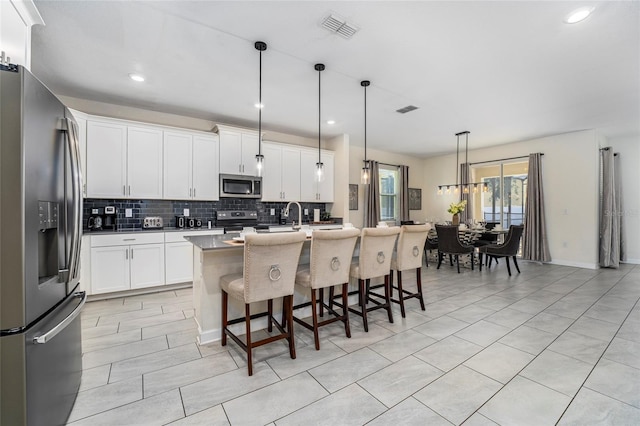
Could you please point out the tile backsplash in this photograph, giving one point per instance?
(205, 210)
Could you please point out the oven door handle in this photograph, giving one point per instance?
(44, 338)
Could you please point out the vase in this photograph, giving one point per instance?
(455, 220)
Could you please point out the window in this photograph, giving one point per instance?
(388, 193)
(505, 200)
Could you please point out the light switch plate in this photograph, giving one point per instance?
(186, 212)
(128, 212)
(306, 212)
(273, 212)
(94, 211)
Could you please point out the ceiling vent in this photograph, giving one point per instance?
(339, 26)
(406, 109)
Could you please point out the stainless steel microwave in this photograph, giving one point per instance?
(238, 186)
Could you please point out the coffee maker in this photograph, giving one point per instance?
(95, 222)
(110, 218)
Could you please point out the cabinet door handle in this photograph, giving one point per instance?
(131, 253)
(124, 189)
(194, 193)
(129, 189)
(126, 254)
(239, 168)
(190, 192)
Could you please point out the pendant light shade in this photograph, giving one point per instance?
(319, 164)
(365, 175)
(261, 46)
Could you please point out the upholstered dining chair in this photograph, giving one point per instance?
(374, 260)
(329, 265)
(408, 256)
(507, 249)
(269, 272)
(449, 243)
(430, 244)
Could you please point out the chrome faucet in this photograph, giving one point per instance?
(286, 213)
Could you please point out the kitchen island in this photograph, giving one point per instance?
(213, 257)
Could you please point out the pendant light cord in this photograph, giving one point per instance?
(319, 114)
(260, 108)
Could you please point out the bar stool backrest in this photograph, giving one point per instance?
(411, 246)
(270, 264)
(376, 251)
(331, 253)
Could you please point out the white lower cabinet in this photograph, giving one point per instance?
(120, 262)
(179, 255)
(126, 261)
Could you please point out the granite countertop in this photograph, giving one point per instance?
(136, 230)
(213, 242)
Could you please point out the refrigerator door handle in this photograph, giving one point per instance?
(76, 187)
(44, 338)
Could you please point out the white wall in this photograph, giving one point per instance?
(570, 181)
(629, 161)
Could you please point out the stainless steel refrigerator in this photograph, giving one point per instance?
(40, 234)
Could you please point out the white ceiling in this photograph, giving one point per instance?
(506, 71)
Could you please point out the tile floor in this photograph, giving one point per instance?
(553, 345)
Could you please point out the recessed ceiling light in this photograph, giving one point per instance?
(136, 77)
(257, 105)
(331, 121)
(578, 15)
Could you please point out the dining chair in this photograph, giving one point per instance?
(329, 265)
(269, 271)
(506, 249)
(449, 243)
(430, 244)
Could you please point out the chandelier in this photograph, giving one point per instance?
(466, 187)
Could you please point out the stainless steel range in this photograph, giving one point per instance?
(235, 220)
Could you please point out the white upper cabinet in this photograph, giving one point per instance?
(238, 150)
(190, 166)
(123, 161)
(178, 180)
(144, 162)
(310, 189)
(281, 175)
(106, 174)
(325, 188)
(271, 174)
(206, 185)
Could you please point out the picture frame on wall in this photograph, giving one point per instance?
(415, 199)
(353, 197)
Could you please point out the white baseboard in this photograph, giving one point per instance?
(632, 261)
(583, 265)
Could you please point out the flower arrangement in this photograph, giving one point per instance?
(455, 208)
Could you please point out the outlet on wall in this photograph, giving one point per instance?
(306, 212)
(128, 212)
(186, 212)
(273, 212)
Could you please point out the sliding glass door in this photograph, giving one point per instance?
(504, 202)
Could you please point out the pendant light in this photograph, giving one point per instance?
(365, 175)
(319, 164)
(261, 46)
(458, 187)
